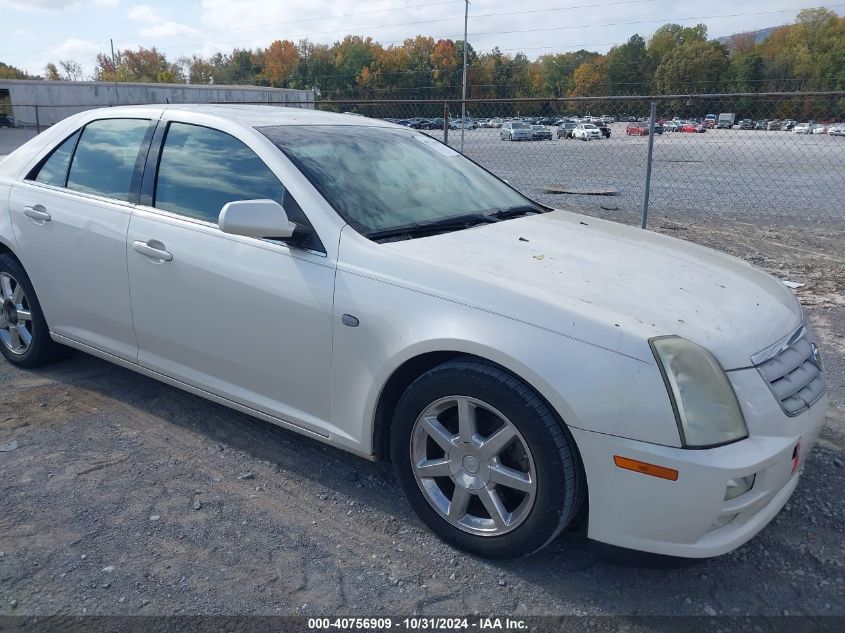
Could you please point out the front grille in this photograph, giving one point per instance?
(793, 373)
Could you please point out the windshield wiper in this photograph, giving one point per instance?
(436, 226)
(515, 212)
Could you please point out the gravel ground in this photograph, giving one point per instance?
(126, 497)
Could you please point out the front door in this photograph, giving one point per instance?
(246, 319)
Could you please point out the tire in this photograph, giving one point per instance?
(550, 476)
(18, 297)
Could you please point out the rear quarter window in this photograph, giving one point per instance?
(53, 170)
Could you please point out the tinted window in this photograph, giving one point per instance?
(202, 169)
(54, 169)
(105, 157)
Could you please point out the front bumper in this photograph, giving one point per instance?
(690, 517)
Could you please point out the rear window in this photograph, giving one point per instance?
(105, 157)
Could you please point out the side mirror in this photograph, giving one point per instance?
(255, 218)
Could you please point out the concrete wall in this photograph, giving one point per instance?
(46, 102)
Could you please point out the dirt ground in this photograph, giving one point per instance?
(126, 497)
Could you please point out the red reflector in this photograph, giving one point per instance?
(796, 456)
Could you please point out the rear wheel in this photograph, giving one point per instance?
(24, 336)
(484, 461)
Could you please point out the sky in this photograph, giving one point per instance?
(35, 32)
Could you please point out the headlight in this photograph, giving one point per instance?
(705, 404)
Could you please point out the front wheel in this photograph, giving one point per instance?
(484, 461)
(24, 336)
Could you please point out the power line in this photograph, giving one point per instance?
(521, 31)
(415, 6)
(378, 26)
(312, 19)
(702, 17)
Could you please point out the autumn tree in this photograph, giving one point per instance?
(281, 61)
(10, 72)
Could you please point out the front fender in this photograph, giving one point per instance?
(590, 387)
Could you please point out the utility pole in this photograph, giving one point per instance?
(114, 72)
(464, 83)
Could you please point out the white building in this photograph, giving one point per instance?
(42, 103)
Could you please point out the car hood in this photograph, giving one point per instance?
(605, 283)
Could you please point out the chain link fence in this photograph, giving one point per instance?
(766, 159)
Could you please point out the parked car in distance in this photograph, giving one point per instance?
(788, 124)
(466, 124)
(495, 122)
(745, 124)
(6, 121)
(516, 131)
(837, 129)
(773, 125)
(636, 129)
(802, 128)
(710, 121)
(761, 125)
(565, 129)
(541, 133)
(725, 121)
(818, 128)
(589, 384)
(586, 132)
(692, 127)
(606, 119)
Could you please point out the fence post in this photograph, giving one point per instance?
(651, 121)
(446, 122)
(37, 122)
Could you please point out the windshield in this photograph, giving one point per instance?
(380, 178)
(519, 125)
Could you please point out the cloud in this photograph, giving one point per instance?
(54, 5)
(73, 48)
(156, 25)
(144, 13)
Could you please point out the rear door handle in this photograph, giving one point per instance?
(37, 213)
(152, 249)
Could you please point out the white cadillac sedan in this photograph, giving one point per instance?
(368, 286)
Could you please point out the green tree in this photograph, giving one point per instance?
(629, 68)
(692, 67)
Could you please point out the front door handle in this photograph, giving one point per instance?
(152, 249)
(37, 213)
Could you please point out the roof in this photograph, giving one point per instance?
(264, 115)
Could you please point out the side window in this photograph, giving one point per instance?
(105, 157)
(53, 171)
(203, 169)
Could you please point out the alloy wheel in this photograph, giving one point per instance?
(473, 466)
(15, 316)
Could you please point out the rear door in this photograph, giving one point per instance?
(70, 217)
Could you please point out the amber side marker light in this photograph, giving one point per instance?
(645, 468)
